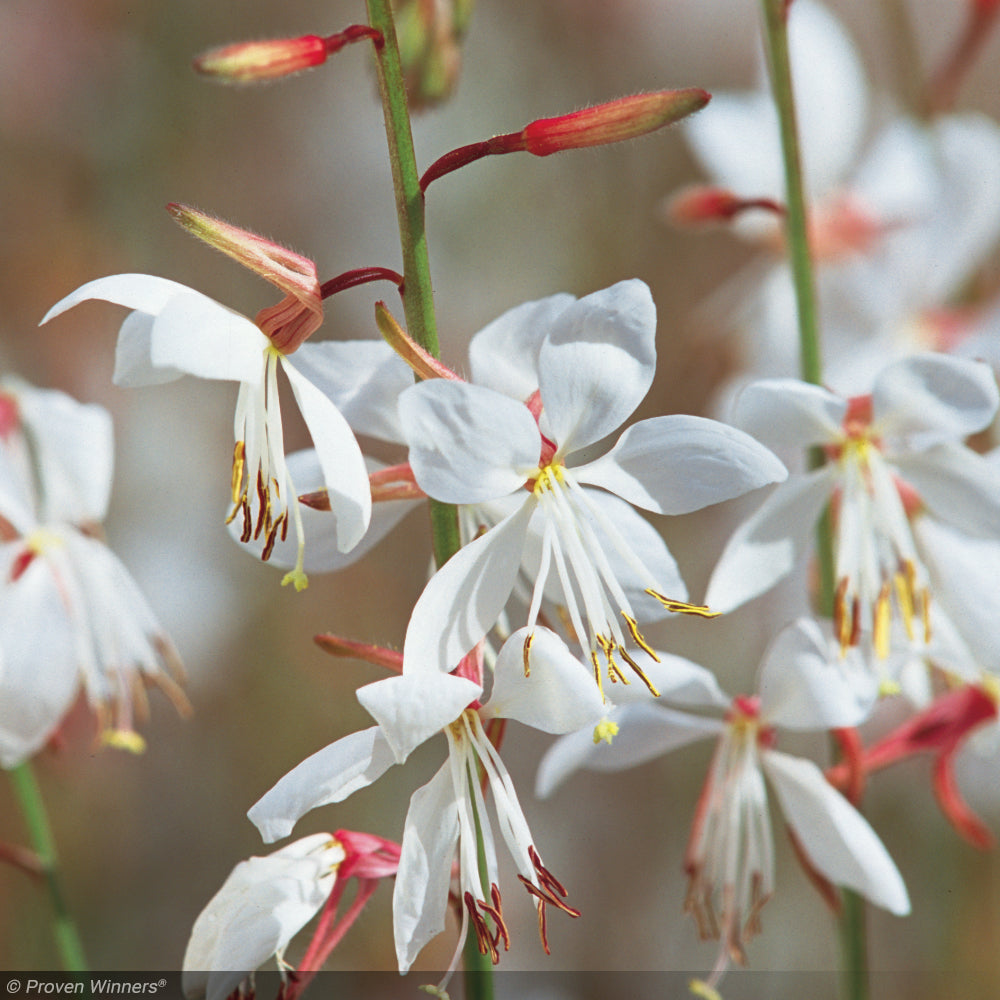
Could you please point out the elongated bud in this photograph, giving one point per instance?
(253, 62)
(424, 365)
(626, 118)
(430, 37)
(300, 313)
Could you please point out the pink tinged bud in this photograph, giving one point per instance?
(626, 118)
(252, 62)
(300, 313)
(703, 204)
(335, 645)
(424, 364)
(368, 856)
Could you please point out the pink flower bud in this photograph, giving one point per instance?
(626, 118)
(248, 62)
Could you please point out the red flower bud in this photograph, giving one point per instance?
(248, 62)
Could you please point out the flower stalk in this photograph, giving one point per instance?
(29, 798)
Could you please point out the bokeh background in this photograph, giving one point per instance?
(102, 123)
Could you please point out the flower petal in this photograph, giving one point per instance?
(597, 363)
(420, 898)
(134, 354)
(504, 355)
(676, 464)
(413, 707)
(803, 685)
(464, 598)
(784, 412)
(467, 444)
(645, 732)
(679, 681)
(836, 838)
(558, 696)
(344, 471)
(144, 292)
(329, 775)
(930, 398)
(769, 544)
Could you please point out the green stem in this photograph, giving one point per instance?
(418, 296)
(852, 920)
(29, 798)
(418, 307)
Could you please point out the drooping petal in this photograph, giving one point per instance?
(464, 598)
(930, 398)
(837, 839)
(134, 354)
(597, 363)
(261, 906)
(556, 696)
(411, 708)
(420, 898)
(344, 470)
(677, 464)
(785, 412)
(769, 544)
(958, 486)
(144, 292)
(195, 334)
(804, 685)
(645, 732)
(503, 356)
(362, 378)
(329, 775)
(467, 444)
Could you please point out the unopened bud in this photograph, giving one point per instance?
(615, 121)
(300, 313)
(430, 37)
(248, 62)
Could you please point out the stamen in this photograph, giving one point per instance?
(597, 672)
(239, 464)
(637, 636)
(683, 608)
(526, 653)
(550, 891)
(642, 676)
(882, 626)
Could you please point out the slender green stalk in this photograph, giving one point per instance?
(852, 920)
(29, 798)
(418, 297)
(418, 307)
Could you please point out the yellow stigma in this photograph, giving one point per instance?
(701, 989)
(605, 730)
(123, 739)
(297, 578)
(547, 479)
(991, 685)
(41, 540)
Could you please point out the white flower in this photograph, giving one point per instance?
(261, 906)
(890, 455)
(69, 610)
(443, 814)
(174, 331)
(730, 855)
(472, 445)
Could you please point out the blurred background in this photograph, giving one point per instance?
(102, 122)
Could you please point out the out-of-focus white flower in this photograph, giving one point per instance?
(175, 330)
(443, 815)
(472, 445)
(890, 454)
(69, 610)
(803, 685)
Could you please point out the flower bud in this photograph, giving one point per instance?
(430, 37)
(626, 118)
(249, 62)
(300, 313)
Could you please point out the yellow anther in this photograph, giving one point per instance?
(638, 638)
(597, 671)
(239, 464)
(904, 594)
(548, 478)
(123, 739)
(605, 731)
(526, 653)
(882, 626)
(682, 607)
(642, 676)
(887, 687)
(925, 613)
(700, 988)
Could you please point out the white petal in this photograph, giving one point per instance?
(195, 334)
(261, 906)
(362, 378)
(464, 598)
(144, 292)
(769, 544)
(329, 775)
(957, 485)
(420, 898)
(504, 355)
(645, 732)
(930, 398)
(836, 838)
(133, 354)
(785, 412)
(344, 470)
(413, 707)
(559, 696)
(679, 681)
(38, 674)
(803, 684)
(597, 363)
(467, 444)
(676, 464)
